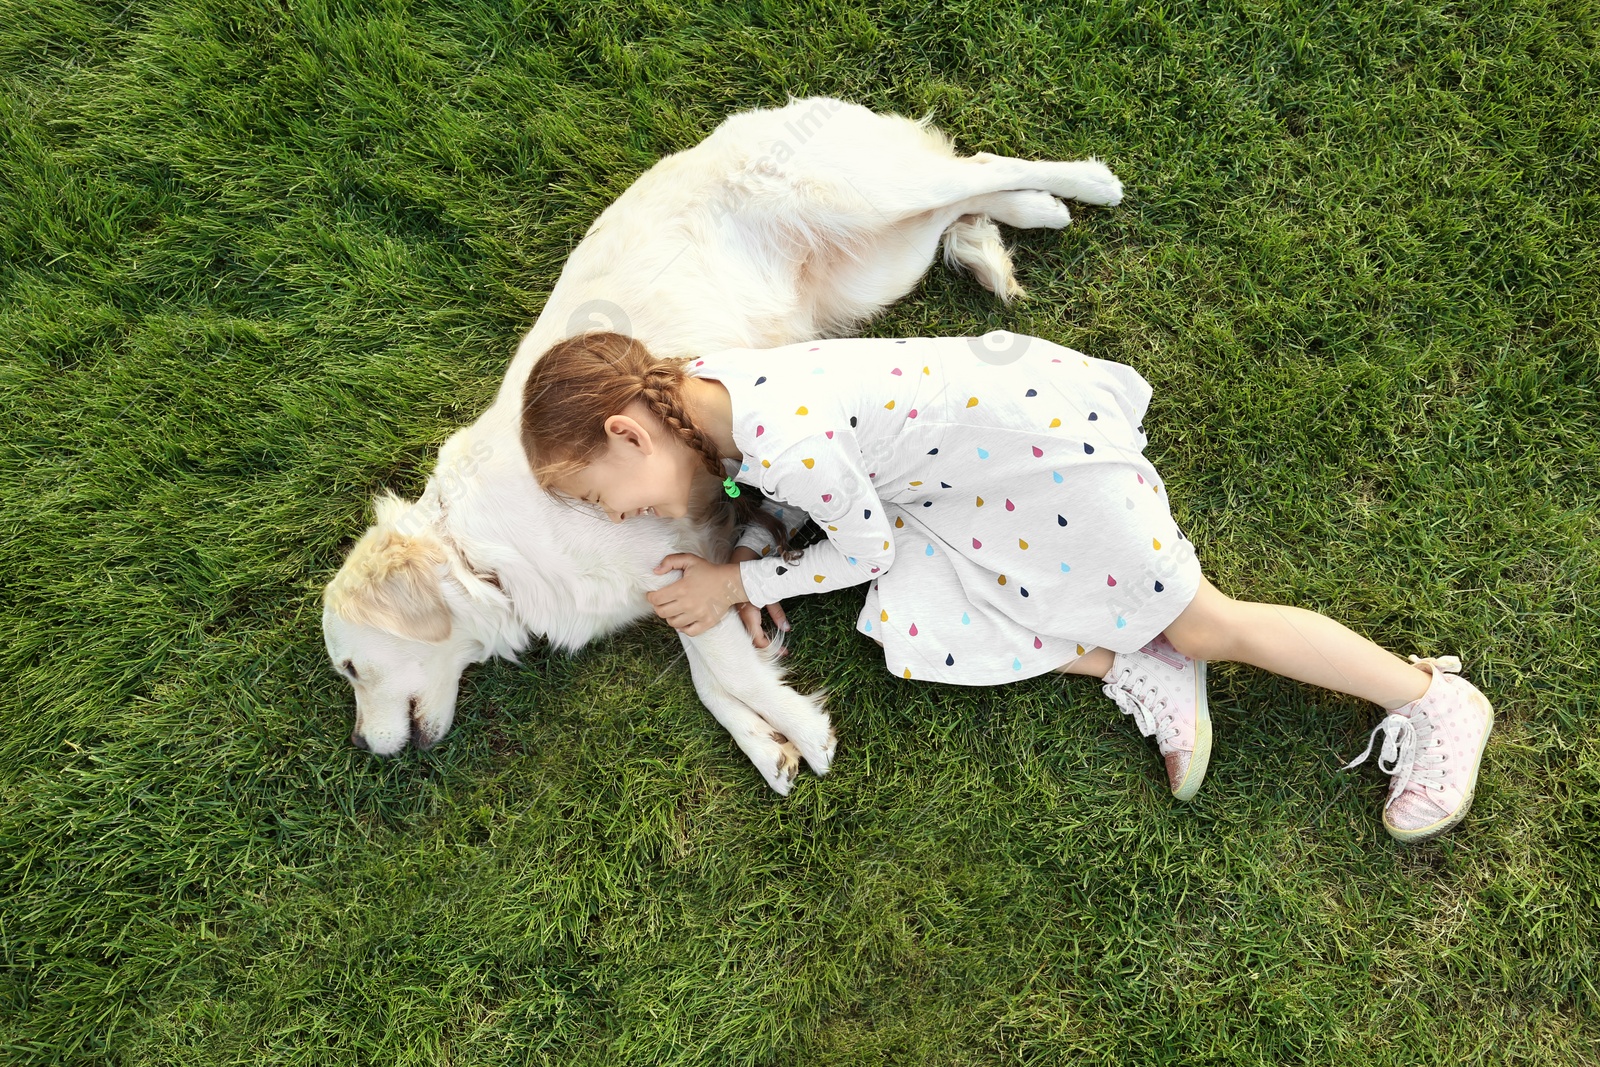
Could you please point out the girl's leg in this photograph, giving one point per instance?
(1438, 723)
(1295, 643)
(1096, 663)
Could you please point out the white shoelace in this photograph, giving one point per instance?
(1405, 755)
(1134, 694)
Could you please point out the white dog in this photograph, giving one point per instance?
(783, 225)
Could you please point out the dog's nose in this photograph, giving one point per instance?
(360, 742)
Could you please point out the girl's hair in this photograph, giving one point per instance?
(584, 380)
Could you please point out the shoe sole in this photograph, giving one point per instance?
(1201, 759)
(1432, 830)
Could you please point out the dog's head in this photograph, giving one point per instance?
(389, 619)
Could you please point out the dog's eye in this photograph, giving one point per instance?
(350, 669)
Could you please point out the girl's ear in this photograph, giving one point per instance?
(624, 429)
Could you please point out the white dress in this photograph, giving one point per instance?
(992, 490)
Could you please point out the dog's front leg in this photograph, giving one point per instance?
(727, 667)
(773, 754)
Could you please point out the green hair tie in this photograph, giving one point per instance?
(730, 488)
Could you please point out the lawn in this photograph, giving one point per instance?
(258, 258)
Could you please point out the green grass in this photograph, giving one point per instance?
(260, 257)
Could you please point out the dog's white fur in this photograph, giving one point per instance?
(783, 225)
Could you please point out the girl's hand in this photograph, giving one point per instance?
(696, 602)
(750, 614)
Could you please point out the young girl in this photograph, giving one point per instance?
(996, 498)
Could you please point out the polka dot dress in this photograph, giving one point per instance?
(992, 490)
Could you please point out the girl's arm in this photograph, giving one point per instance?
(824, 477)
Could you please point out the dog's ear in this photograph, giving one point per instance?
(391, 581)
(388, 509)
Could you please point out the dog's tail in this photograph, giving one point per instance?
(973, 242)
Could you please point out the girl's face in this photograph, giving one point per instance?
(643, 470)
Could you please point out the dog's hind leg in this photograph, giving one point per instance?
(891, 261)
(936, 182)
(875, 167)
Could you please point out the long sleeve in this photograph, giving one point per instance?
(824, 477)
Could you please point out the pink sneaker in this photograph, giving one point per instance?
(1431, 751)
(1165, 692)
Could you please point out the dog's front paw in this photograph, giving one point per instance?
(780, 771)
(817, 742)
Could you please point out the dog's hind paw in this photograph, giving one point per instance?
(1093, 183)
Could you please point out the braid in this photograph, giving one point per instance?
(661, 388)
